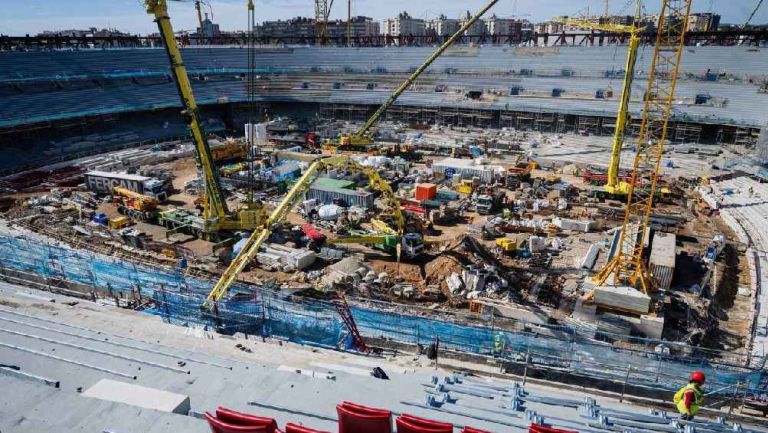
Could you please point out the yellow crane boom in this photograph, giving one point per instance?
(216, 214)
(254, 242)
(127, 193)
(216, 205)
(363, 136)
(627, 265)
(613, 186)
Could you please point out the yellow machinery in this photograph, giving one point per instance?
(216, 215)
(251, 248)
(361, 140)
(119, 222)
(614, 186)
(230, 149)
(506, 245)
(135, 205)
(465, 186)
(627, 265)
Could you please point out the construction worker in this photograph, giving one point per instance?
(688, 399)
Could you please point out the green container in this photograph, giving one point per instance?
(327, 182)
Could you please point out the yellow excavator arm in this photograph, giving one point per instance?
(254, 242)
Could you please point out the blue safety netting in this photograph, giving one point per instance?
(257, 311)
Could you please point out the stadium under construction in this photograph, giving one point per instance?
(573, 222)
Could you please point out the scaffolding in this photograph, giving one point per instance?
(687, 133)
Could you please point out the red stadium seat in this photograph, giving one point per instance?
(354, 418)
(295, 428)
(364, 409)
(412, 424)
(219, 426)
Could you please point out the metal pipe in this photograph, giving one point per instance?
(464, 414)
(115, 343)
(69, 361)
(101, 352)
(82, 328)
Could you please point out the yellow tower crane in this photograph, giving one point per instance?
(363, 138)
(627, 266)
(217, 216)
(614, 186)
(322, 11)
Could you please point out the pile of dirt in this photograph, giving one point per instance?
(462, 252)
(437, 270)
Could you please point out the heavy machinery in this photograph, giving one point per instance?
(627, 266)
(490, 201)
(517, 174)
(615, 186)
(411, 245)
(216, 215)
(134, 205)
(362, 140)
(506, 245)
(251, 247)
(466, 186)
(230, 149)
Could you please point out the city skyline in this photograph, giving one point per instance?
(35, 16)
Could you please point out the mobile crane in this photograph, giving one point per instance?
(627, 266)
(135, 205)
(252, 245)
(216, 215)
(362, 140)
(616, 186)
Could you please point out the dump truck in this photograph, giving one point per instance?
(518, 174)
(490, 202)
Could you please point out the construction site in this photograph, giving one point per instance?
(576, 228)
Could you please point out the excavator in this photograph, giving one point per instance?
(616, 185)
(216, 215)
(362, 140)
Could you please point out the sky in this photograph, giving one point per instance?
(20, 17)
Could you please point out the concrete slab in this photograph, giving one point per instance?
(137, 395)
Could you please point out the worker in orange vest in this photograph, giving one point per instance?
(688, 398)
